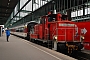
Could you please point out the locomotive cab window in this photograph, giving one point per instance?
(51, 17)
(64, 17)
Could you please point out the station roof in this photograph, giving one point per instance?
(6, 8)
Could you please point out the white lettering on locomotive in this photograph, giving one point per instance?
(72, 25)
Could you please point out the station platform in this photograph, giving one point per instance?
(20, 49)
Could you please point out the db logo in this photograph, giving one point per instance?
(83, 31)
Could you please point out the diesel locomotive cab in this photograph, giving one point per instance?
(63, 33)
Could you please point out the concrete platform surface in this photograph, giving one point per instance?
(20, 49)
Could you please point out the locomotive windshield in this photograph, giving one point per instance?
(51, 17)
(64, 17)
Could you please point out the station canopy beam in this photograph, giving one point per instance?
(25, 11)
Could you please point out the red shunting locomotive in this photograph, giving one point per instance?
(58, 31)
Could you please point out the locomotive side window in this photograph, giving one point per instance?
(42, 21)
(64, 17)
(32, 30)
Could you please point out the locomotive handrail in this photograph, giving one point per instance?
(53, 32)
(47, 32)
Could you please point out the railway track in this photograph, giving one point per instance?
(81, 56)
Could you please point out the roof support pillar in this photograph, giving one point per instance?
(69, 14)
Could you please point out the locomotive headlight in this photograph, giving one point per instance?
(83, 37)
(55, 37)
